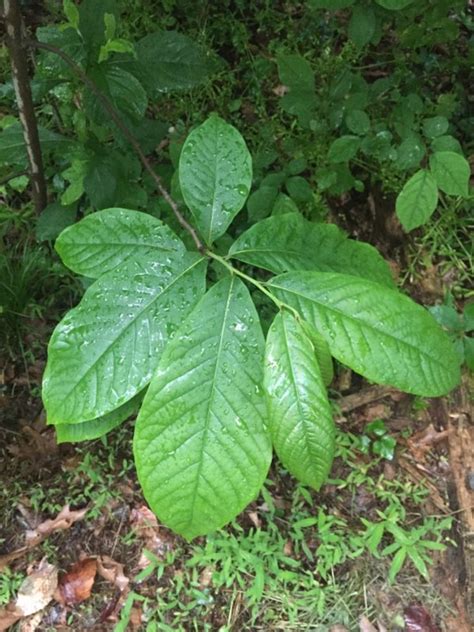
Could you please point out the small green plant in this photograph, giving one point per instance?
(458, 326)
(10, 582)
(377, 440)
(218, 396)
(94, 168)
(412, 543)
(291, 567)
(386, 132)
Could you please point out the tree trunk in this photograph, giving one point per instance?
(21, 83)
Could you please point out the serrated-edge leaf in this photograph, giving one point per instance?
(103, 240)
(201, 448)
(451, 172)
(215, 174)
(95, 428)
(300, 419)
(417, 200)
(290, 242)
(105, 350)
(377, 332)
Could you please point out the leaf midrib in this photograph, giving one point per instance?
(129, 323)
(214, 211)
(361, 323)
(295, 385)
(211, 397)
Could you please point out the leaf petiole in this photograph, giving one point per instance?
(248, 278)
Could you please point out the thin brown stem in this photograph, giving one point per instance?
(114, 115)
(21, 83)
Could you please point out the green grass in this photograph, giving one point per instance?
(306, 565)
(299, 561)
(446, 241)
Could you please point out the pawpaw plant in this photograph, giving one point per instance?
(214, 396)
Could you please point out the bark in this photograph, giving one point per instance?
(21, 82)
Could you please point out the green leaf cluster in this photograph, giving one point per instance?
(386, 132)
(100, 171)
(216, 394)
(449, 172)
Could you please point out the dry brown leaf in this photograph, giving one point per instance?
(338, 628)
(65, 518)
(253, 515)
(136, 616)
(112, 572)
(142, 517)
(37, 589)
(421, 442)
(377, 411)
(280, 90)
(31, 623)
(418, 619)
(6, 559)
(76, 585)
(348, 403)
(8, 617)
(145, 524)
(112, 607)
(34, 445)
(365, 625)
(288, 548)
(205, 578)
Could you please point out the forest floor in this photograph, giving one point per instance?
(386, 545)
(74, 521)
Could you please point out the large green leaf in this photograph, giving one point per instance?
(102, 241)
(322, 353)
(88, 430)
(343, 149)
(69, 41)
(300, 419)
(92, 23)
(362, 25)
(451, 172)
(105, 350)
(123, 89)
(201, 449)
(215, 173)
(170, 61)
(289, 242)
(54, 219)
(378, 332)
(296, 74)
(12, 144)
(417, 200)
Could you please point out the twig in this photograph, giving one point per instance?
(362, 398)
(21, 83)
(114, 115)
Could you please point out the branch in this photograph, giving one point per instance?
(114, 115)
(21, 83)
